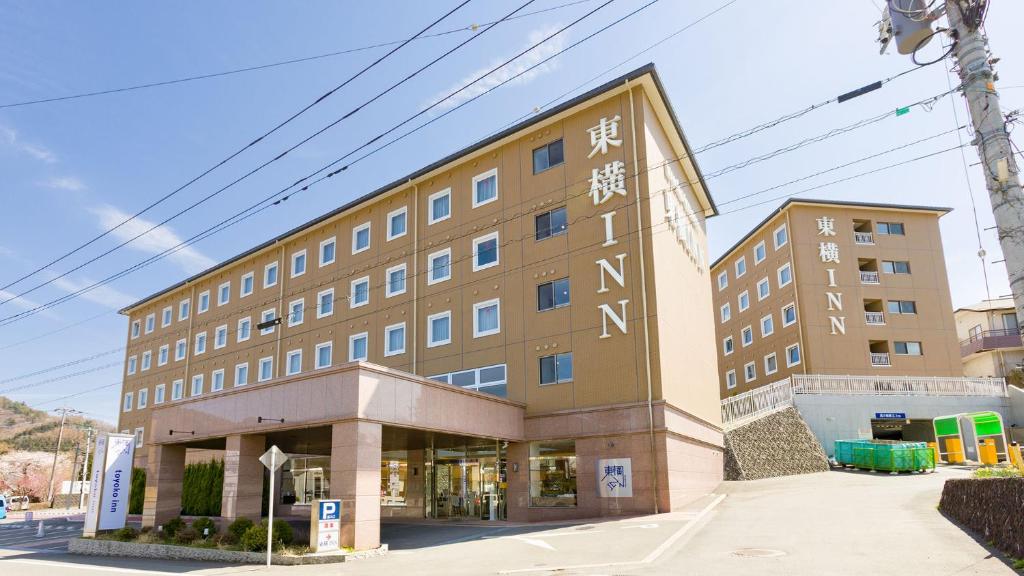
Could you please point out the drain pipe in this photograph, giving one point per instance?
(415, 269)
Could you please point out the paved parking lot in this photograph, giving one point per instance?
(24, 535)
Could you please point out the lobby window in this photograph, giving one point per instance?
(158, 394)
(180, 348)
(200, 343)
(143, 398)
(781, 236)
(183, 309)
(556, 369)
(785, 275)
(727, 346)
(486, 318)
(747, 336)
(395, 281)
(743, 300)
(324, 351)
(163, 355)
(204, 301)
(440, 206)
(147, 360)
(325, 303)
(223, 293)
(242, 374)
(197, 385)
(760, 252)
(361, 238)
(553, 294)
(726, 312)
(771, 364)
(741, 266)
(439, 266)
(296, 312)
(270, 275)
(360, 294)
(220, 337)
(485, 251)
(328, 251)
(136, 327)
(552, 223)
(895, 266)
(150, 323)
(133, 364)
(891, 228)
(788, 314)
(266, 369)
(247, 285)
(244, 329)
(907, 348)
(394, 339)
(358, 347)
(489, 379)
(177, 389)
(553, 474)
(439, 327)
(730, 379)
(763, 289)
(394, 476)
(723, 281)
(398, 223)
(265, 317)
(485, 187)
(293, 362)
(165, 317)
(217, 380)
(902, 307)
(298, 263)
(749, 372)
(767, 326)
(548, 156)
(792, 355)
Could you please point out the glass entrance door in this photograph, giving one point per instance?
(467, 483)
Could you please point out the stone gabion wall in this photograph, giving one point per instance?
(993, 508)
(779, 444)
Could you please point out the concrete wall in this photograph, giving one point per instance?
(1016, 406)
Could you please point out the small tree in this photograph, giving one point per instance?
(1015, 377)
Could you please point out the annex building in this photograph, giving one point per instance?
(990, 338)
(522, 330)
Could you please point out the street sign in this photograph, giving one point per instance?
(325, 525)
(273, 458)
(890, 415)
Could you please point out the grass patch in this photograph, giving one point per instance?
(998, 472)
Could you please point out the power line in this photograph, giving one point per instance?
(77, 394)
(64, 365)
(60, 378)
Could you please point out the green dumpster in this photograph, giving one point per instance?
(885, 455)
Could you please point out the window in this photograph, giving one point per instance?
(891, 228)
(788, 314)
(165, 317)
(486, 318)
(440, 206)
(730, 379)
(553, 295)
(200, 343)
(763, 289)
(133, 364)
(361, 238)
(485, 251)
(439, 266)
(489, 379)
(556, 369)
(743, 300)
(741, 266)
(266, 369)
(328, 249)
(485, 187)
(267, 316)
(749, 372)
(723, 280)
(180, 347)
(323, 352)
(270, 275)
(298, 263)
(395, 281)
(244, 329)
(394, 339)
(553, 474)
(183, 309)
(223, 293)
(358, 345)
(139, 432)
(902, 307)
(147, 360)
(204, 301)
(296, 312)
(760, 252)
(907, 348)
(781, 236)
(747, 336)
(197, 385)
(896, 267)
(726, 312)
(548, 156)
(439, 329)
(246, 286)
(150, 323)
(325, 303)
(158, 394)
(136, 326)
(241, 374)
(727, 346)
(553, 223)
(143, 398)
(163, 355)
(220, 337)
(177, 389)
(398, 222)
(771, 364)
(793, 355)
(293, 362)
(360, 294)
(767, 326)
(785, 275)
(217, 380)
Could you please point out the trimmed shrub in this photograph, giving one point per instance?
(283, 532)
(201, 488)
(226, 539)
(185, 536)
(138, 491)
(173, 526)
(239, 526)
(126, 534)
(254, 539)
(204, 523)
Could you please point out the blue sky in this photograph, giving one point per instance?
(70, 169)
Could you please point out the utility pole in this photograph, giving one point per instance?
(56, 452)
(85, 468)
(74, 468)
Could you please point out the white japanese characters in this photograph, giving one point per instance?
(828, 252)
(680, 216)
(605, 183)
(605, 134)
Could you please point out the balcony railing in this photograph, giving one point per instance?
(990, 340)
(898, 385)
(874, 318)
(863, 238)
(869, 277)
(761, 401)
(880, 359)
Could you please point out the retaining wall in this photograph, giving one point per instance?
(992, 508)
(779, 444)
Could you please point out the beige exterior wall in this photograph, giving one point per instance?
(988, 362)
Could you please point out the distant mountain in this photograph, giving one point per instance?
(25, 429)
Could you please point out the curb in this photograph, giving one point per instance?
(90, 547)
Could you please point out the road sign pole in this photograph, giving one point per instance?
(270, 505)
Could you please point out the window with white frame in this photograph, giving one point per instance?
(485, 251)
(265, 317)
(749, 372)
(907, 348)
(324, 351)
(139, 433)
(358, 347)
(360, 292)
(242, 374)
(180, 349)
(224, 293)
(723, 280)
(133, 364)
(788, 314)
(270, 275)
(785, 274)
(556, 368)
(741, 266)
(743, 300)
(730, 379)
(217, 380)
(485, 187)
(147, 360)
(220, 337)
(763, 289)
(296, 312)
(728, 347)
(177, 389)
(166, 316)
(298, 263)
(197, 385)
(244, 330)
(439, 329)
(328, 251)
(200, 343)
(361, 238)
(247, 284)
(127, 406)
(143, 398)
(771, 364)
(440, 206)
(747, 336)
(398, 223)
(439, 266)
(395, 280)
(293, 362)
(204, 301)
(150, 323)
(760, 252)
(394, 339)
(184, 307)
(486, 318)
(136, 327)
(726, 312)
(781, 236)
(767, 326)
(163, 355)
(159, 394)
(266, 369)
(325, 303)
(489, 379)
(792, 355)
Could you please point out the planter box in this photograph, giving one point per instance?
(989, 507)
(90, 547)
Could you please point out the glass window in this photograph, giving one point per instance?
(165, 317)
(242, 374)
(177, 389)
(133, 362)
(440, 206)
(781, 236)
(440, 328)
(785, 275)
(183, 309)
(767, 325)
(328, 248)
(394, 339)
(744, 300)
(360, 238)
(197, 385)
(726, 312)
(266, 369)
(398, 223)
(553, 223)
(553, 294)
(907, 348)
(788, 314)
(771, 364)
(547, 156)
(294, 362)
(730, 379)
(267, 316)
(357, 347)
(296, 312)
(555, 369)
(723, 280)
(136, 326)
(158, 394)
(485, 188)
(180, 348)
(360, 292)
(741, 266)
(896, 267)
(270, 275)
(793, 355)
(217, 380)
(485, 251)
(891, 228)
(147, 360)
(150, 323)
(163, 355)
(246, 286)
(760, 253)
(763, 289)
(394, 477)
(244, 329)
(223, 293)
(553, 474)
(749, 372)
(396, 281)
(902, 307)
(440, 266)
(325, 303)
(143, 398)
(204, 301)
(727, 345)
(489, 379)
(200, 343)
(747, 336)
(486, 318)
(298, 263)
(220, 337)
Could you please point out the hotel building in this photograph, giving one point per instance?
(824, 287)
(522, 330)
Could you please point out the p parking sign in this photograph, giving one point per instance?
(330, 510)
(325, 526)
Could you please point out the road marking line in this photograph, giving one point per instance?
(82, 566)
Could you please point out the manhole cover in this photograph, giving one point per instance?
(758, 553)
(587, 527)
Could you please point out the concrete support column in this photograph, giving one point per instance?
(243, 477)
(165, 470)
(355, 480)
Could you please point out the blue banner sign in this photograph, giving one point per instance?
(890, 415)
